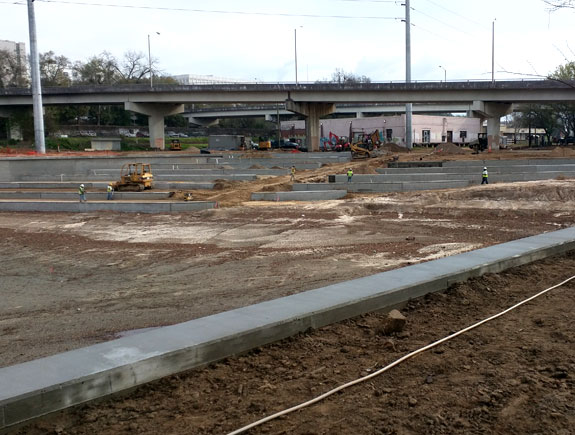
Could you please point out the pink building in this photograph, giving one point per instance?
(427, 129)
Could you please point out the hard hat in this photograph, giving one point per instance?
(485, 168)
(81, 185)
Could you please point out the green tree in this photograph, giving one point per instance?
(565, 111)
(98, 70)
(53, 69)
(539, 116)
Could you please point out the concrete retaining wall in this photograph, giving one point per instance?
(14, 168)
(400, 186)
(116, 206)
(49, 384)
(101, 185)
(299, 195)
(90, 196)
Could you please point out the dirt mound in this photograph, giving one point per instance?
(257, 167)
(282, 187)
(449, 148)
(393, 147)
(223, 184)
(560, 190)
(365, 168)
(563, 152)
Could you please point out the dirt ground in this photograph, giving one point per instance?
(71, 280)
(514, 375)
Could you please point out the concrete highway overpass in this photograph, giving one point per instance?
(489, 100)
(210, 116)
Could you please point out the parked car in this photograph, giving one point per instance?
(172, 134)
(567, 140)
(182, 135)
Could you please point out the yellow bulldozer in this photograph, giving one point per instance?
(135, 177)
(365, 145)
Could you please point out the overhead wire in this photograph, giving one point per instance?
(457, 14)
(216, 11)
(396, 362)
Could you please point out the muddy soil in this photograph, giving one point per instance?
(513, 375)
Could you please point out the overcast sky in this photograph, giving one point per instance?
(254, 39)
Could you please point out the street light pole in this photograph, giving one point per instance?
(295, 48)
(493, 51)
(444, 73)
(150, 61)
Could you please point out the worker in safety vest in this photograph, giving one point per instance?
(82, 193)
(292, 173)
(110, 191)
(484, 176)
(349, 175)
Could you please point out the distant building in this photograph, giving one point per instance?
(195, 79)
(16, 48)
(427, 129)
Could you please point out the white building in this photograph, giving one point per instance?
(16, 48)
(196, 79)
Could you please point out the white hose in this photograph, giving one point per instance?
(393, 364)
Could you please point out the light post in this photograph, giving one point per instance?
(150, 61)
(444, 73)
(295, 49)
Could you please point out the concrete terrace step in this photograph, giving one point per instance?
(391, 186)
(91, 196)
(97, 206)
(309, 195)
(477, 169)
(493, 175)
(39, 387)
(100, 185)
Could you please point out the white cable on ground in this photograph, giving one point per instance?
(393, 364)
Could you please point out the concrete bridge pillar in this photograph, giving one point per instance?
(313, 112)
(493, 112)
(156, 113)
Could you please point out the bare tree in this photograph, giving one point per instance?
(135, 66)
(560, 4)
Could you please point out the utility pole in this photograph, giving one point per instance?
(408, 106)
(493, 52)
(36, 85)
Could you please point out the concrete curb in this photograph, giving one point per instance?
(39, 387)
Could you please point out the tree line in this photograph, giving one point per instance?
(102, 69)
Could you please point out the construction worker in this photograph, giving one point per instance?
(82, 193)
(484, 176)
(110, 191)
(349, 175)
(292, 173)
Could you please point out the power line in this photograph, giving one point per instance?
(457, 14)
(214, 11)
(442, 22)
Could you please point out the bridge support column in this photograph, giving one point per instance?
(156, 113)
(493, 112)
(313, 112)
